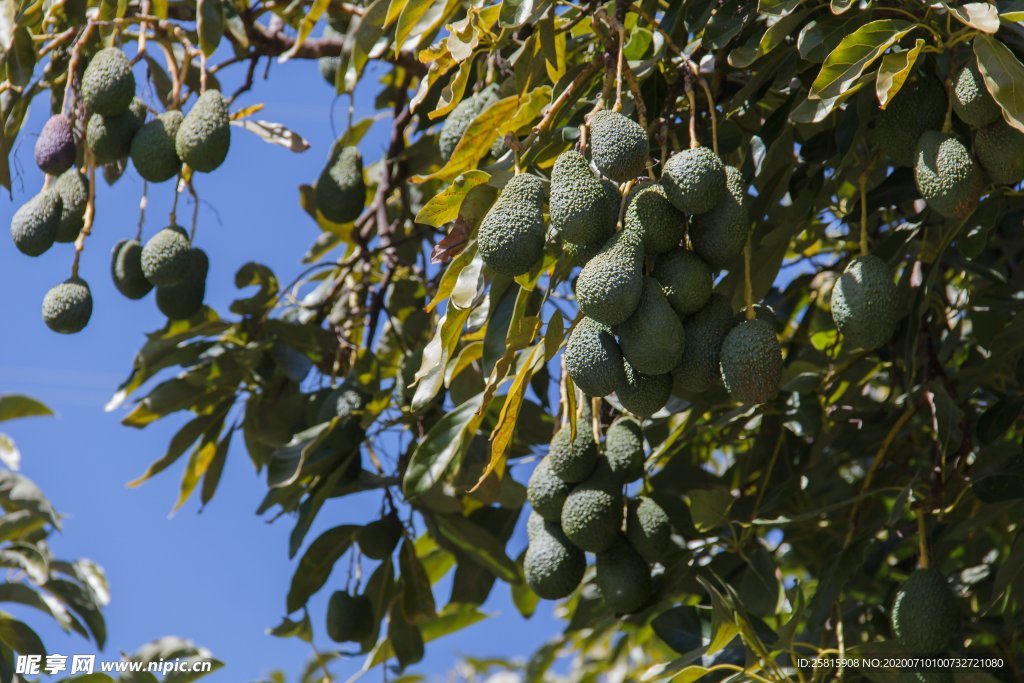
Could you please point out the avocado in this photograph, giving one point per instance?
(653, 219)
(108, 84)
(647, 528)
(643, 395)
(751, 362)
(55, 146)
(652, 339)
(924, 616)
(377, 540)
(694, 180)
(165, 257)
(109, 138)
(511, 235)
(698, 370)
(1000, 151)
(126, 269)
(350, 618)
(618, 145)
(685, 279)
(622, 577)
(340, 190)
(460, 118)
(624, 449)
(610, 285)
(580, 209)
(971, 99)
(546, 492)
(34, 225)
(153, 150)
(719, 235)
(184, 299)
(593, 358)
(919, 106)
(865, 305)
(73, 189)
(203, 139)
(67, 307)
(947, 176)
(553, 567)
(592, 515)
(572, 460)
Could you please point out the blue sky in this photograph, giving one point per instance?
(220, 577)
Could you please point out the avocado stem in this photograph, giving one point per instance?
(748, 289)
(922, 540)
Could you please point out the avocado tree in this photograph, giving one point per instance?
(716, 298)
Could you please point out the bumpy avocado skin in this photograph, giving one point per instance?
(55, 148)
(643, 395)
(947, 176)
(649, 215)
(108, 84)
(647, 528)
(73, 189)
(864, 303)
(461, 117)
(694, 180)
(184, 300)
(204, 136)
(553, 567)
(68, 306)
(610, 285)
(109, 138)
(580, 211)
(593, 358)
(624, 450)
(924, 616)
(618, 145)
(34, 225)
(652, 339)
(705, 331)
(971, 99)
(350, 618)
(685, 279)
(340, 189)
(165, 257)
(622, 577)
(919, 106)
(751, 362)
(1000, 150)
(579, 254)
(511, 235)
(573, 460)
(546, 492)
(153, 149)
(126, 269)
(719, 235)
(592, 515)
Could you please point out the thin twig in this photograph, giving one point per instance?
(90, 213)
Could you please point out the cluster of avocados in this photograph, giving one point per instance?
(114, 130)
(649, 318)
(578, 507)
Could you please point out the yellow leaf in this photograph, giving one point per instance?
(444, 206)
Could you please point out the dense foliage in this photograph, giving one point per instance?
(856, 422)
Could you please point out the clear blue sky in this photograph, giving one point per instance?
(220, 577)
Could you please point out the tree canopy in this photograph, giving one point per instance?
(841, 414)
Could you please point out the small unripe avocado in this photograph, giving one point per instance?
(378, 539)
(68, 306)
(610, 285)
(203, 139)
(947, 176)
(109, 138)
(924, 616)
(592, 515)
(694, 180)
(751, 361)
(618, 145)
(864, 303)
(546, 492)
(919, 106)
(652, 339)
(685, 279)
(971, 99)
(593, 358)
(511, 235)
(126, 269)
(653, 219)
(622, 577)
(184, 300)
(573, 460)
(647, 528)
(165, 258)
(55, 147)
(643, 395)
(580, 209)
(108, 84)
(553, 567)
(329, 65)
(73, 189)
(340, 189)
(350, 618)
(34, 225)
(624, 450)
(719, 235)
(153, 149)
(705, 331)
(1000, 150)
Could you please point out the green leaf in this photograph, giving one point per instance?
(514, 13)
(1004, 78)
(680, 627)
(999, 488)
(19, 637)
(444, 206)
(980, 15)
(316, 10)
(855, 53)
(366, 34)
(436, 355)
(301, 629)
(406, 639)
(412, 12)
(478, 544)
(709, 508)
(893, 72)
(210, 25)
(316, 564)
(15, 405)
(445, 441)
(180, 442)
(417, 596)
